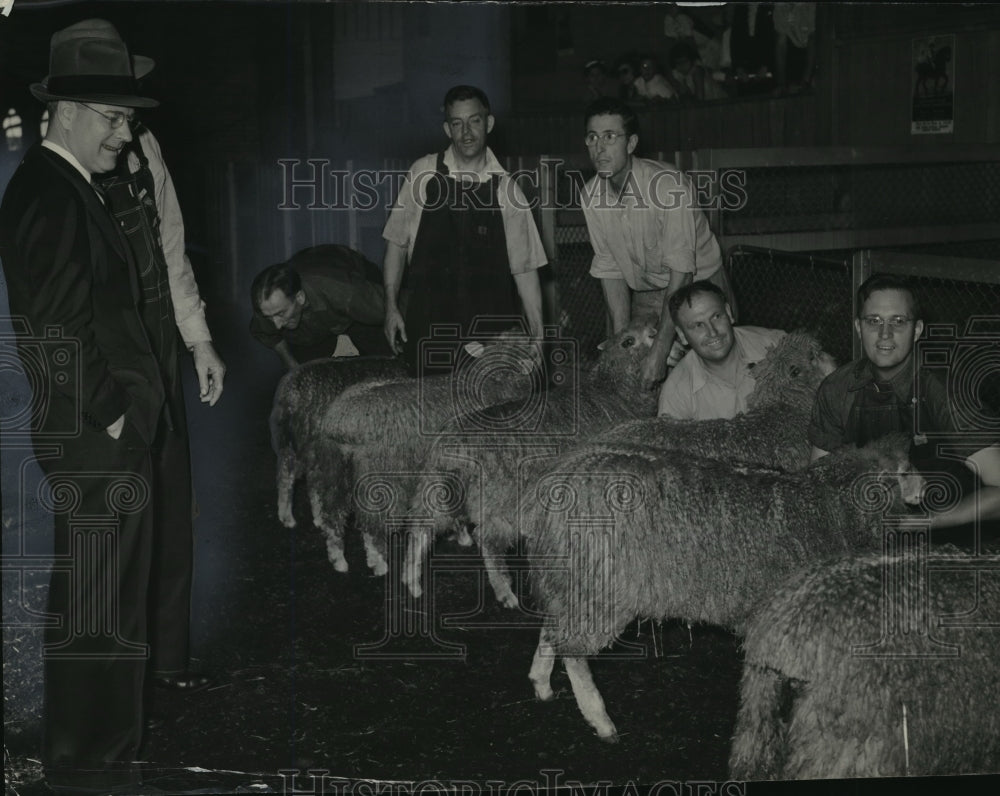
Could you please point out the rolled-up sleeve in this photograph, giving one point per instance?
(189, 309)
(404, 218)
(524, 245)
(679, 233)
(603, 265)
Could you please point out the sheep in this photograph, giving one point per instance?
(467, 476)
(626, 531)
(300, 399)
(772, 432)
(372, 437)
(886, 664)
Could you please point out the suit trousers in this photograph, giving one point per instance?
(173, 541)
(101, 491)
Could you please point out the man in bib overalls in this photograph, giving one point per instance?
(463, 232)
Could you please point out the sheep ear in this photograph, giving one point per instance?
(602, 345)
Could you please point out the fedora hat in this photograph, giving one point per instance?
(89, 62)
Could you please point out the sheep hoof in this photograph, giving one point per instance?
(380, 568)
(612, 737)
(416, 590)
(543, 692)
(286, 518)
(464, 538)
(340, 565)
(508, 600)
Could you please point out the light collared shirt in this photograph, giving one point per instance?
(648, 230)
(524, 246)
(692, 392)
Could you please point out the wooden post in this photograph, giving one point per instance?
(352, 211)
(861, 268)
(547, 224)
(234, 259)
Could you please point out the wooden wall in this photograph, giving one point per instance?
(862, 96)
(873, 91)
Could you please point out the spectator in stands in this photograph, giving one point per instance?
(751, 43)
(794, 46)
(651, 83)
(598, 82)
(689, 78)
(714, 378)
(677, 26)
(878, 394)
(648, 235)
(326, 301)
(626, 67)
(711, 37)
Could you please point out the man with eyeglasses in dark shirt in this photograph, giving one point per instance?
(874, 396)
(648, 234)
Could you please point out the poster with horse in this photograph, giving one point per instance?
(933, 85)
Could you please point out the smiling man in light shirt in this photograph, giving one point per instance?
(714, 378)
(463, 232)
(648, 235)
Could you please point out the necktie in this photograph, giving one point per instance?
(100, 192)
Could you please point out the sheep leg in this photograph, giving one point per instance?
(374, 558)
(541, 668)
(462, 535)
(333, 529)
(286, 483)
(416, 549)
(496, 571)
(589, 699)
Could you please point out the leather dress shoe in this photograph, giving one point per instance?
(185, 682)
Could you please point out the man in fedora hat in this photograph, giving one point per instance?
(109, 420)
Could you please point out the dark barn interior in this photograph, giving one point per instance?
(268, 113)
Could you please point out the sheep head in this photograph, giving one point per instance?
(791, 372)
(619, 366)
(880, 473)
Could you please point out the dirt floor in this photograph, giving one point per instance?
(312, 677)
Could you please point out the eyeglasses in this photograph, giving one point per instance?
(115, 118)
(875, 323)
(606, 138)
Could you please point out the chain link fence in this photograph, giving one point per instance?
(873, 196)
(786, 290)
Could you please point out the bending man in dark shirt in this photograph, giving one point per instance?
(874, 396)
(303, 307)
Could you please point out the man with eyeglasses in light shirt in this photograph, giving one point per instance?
(648, 235)
(874, 396)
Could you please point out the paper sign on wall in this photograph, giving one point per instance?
(933, 85)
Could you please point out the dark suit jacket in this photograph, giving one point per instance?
(71, 279)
